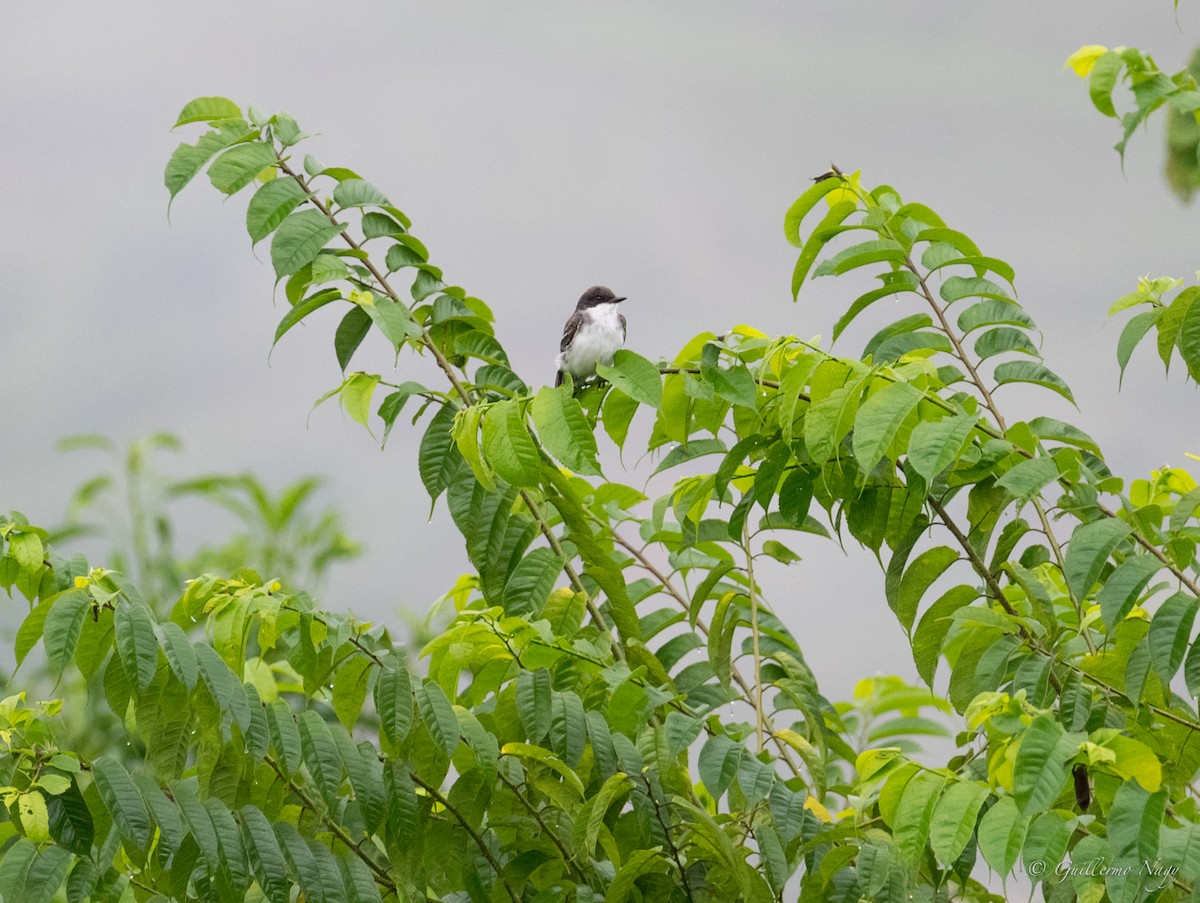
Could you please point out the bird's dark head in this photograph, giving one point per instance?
(597, 295)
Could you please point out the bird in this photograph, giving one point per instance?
(592, 334)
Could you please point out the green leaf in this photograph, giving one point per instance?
(356, 394)
(1134, 821)
(285, 736)
(1102, 81)
(350, 689)
(880, 251)
(1031, 372)
(15, 865)
(264, 855)
(1170, 322)
(208, 109)
(189, 159)
(509, 448)
(1027, 479)
(1170, 631)
(1189, 340)
(864, 301)
(394, 703)
(821, 234)
(635, 376)
(880, 419)
(240, 165)
(123, 801)
(1088, 551)
(931, 630)
(914, 814)
(1047, 842)
(639, 863)
(829, 420)
(45, 876)
(438, 457)
(321, 756)
(567, 727)
(534, 703)
(564, 430)
(1120, 591)
(350, 333)
(303, 309)
(615, 786)
(358, 193)
(933, 445)
(1040, 772)
(299, 239)
(438, 716)
(394, 320)
(921, 574)
(955, 288)
(1001, 835)
(137, 644)
(532, 580)
(1134, 331)
(718, 764)
(954, 819)
(64, 623)
(181, 657)
(270, 206)
(993, 313)
(31, 628)
(1002, 340)
(803, 204)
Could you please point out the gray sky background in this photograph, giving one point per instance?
(540, 148)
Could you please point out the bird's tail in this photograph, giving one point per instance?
(558, 379)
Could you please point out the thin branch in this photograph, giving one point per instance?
(381, 873)
(572, 574)
(683, 877)
(479, 842)
(533, 810)
(758, 687)
(747, 691)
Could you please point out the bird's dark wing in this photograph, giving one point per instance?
(570, 329)
(624, 331)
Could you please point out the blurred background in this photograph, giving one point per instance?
(541, 148)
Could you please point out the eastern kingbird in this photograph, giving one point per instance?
(592, 335)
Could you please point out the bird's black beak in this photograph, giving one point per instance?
(616, 300)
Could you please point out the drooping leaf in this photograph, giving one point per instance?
(635, 376)
(299, 238)
(803, 204)
(954, 819)
(879, 420)
(1133, 333)
(564, 430)
(208, 109)
(62, 627)
(509, 448)
(1040, 772)
(123, 801)
(1031, 372)
(933, 445)
(237, 167)
(1170, 633)
(1089, 549)
(1001, 835)
(133, 624)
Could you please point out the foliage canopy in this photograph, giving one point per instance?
(615, 713)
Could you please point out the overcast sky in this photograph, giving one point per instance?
(540, 148)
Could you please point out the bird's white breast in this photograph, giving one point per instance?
(595, 341)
